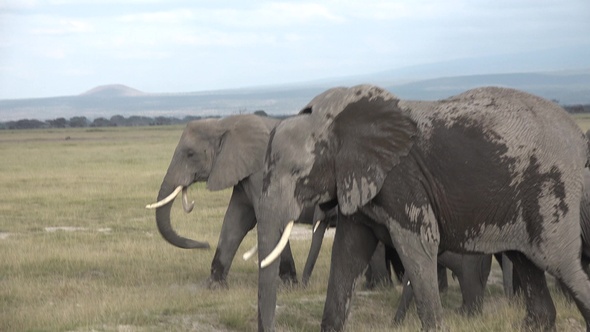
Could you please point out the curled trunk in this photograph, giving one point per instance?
(165, 226)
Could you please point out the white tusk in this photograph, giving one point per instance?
(248, 254)
(185, 204)
(317, 224)
(276, 252)
(165, 200)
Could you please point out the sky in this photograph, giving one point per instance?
(66, 47)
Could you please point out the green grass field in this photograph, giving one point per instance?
(79, 252)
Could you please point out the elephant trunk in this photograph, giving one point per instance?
(268, 236)
(274, 227)
(163, 221)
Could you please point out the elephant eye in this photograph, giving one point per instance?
(190, 153)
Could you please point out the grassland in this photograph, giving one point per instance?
(79, 252)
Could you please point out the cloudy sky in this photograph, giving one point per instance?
(65, 47)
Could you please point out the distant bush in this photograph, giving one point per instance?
(577, 108)
(114, 121)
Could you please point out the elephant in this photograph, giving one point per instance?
(489, 170)
(226, 152)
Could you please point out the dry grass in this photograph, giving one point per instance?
(111, 271)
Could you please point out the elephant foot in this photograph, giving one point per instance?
(216, 284)
(536, 324)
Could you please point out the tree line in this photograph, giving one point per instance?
(114, 121)
(136, 121)
(83, 122)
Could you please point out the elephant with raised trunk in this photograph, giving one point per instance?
(224, 153)
(489, 170)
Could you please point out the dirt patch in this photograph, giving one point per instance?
(75, 229)
(4, 236)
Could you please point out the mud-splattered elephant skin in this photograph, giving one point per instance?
(489, 170)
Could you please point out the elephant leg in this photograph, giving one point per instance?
(476, 270)
(419, 257)
(443, 279)
(314, 251)
(354, 244)
(540, 308)
(576, 282)
(287, 271)
(509, 281)
(239, 219)
(404, 302)
(392, 257)
(378, 271)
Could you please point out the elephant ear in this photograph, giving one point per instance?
(373, 134)
(240, 150)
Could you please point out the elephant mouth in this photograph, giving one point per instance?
(188, 207)
(278, 249)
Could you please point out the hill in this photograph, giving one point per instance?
(113, 90)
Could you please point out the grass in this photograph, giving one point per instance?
(111, 271)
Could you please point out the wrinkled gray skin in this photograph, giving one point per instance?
(489, 170)
(225, 153)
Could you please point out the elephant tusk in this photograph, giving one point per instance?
(165, 200)
(188, 207)
(276, 252)
(317, 224)
(248, 254)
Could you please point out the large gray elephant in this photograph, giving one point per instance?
(225, 153)
(489, 170)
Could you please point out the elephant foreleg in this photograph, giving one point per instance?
(314, 251)
(287, 270)
(405, 301)
(238, 221)
(475, 272)
(378, 272)
(354, 244)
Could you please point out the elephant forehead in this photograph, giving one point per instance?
(333, 101)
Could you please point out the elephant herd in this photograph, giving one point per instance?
(448, 182)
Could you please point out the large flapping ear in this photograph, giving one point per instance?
(373, 134)
(241, 150)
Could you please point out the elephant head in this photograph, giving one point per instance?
(221, 152)
(334, 151)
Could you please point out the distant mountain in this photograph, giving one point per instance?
(113, 90)
(566, 87)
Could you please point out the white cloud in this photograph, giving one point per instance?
(62, 26)
(162, 17)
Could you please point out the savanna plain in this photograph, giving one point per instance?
(79, 251)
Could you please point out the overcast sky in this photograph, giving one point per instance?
(65, 47)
